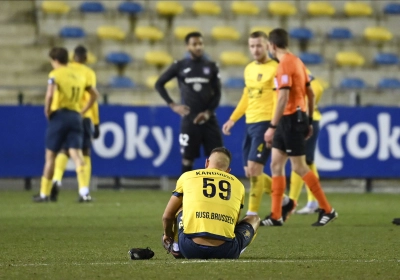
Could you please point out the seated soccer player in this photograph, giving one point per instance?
(210, 200)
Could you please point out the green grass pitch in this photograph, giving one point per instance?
(67, 240)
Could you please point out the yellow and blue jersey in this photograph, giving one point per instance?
(212, 200)
(318, 90)
(259, 98)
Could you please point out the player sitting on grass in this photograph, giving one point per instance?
(208, 203)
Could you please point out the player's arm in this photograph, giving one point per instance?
(175, 202)
(172, 72)
(51, 87)
(239, 111)
(283, 97)
(94, 94)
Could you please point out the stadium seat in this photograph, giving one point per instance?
(357, 9)
(244, 8)
(55, 7)
(392, 9)
(111, 33)
(352, 83)
(280, 8)
(180, 32)
(121, 82)
(91, 58)
(234, 83)
(150, 33)
(225, 33)
(132, 8)
(377, 34)
(70, 32)
(118, 58)
(158, 58)
(386, 59)
(301, 33)
(151, 81)
(311, 58)
(233, 58)
(340, 33)
(169, 8)
(320, 9)
(92, 7)
(349, 59)
(389, 83)
(264, 29)
(206, 8)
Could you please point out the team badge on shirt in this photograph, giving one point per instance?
(206, 70)
(259, 77)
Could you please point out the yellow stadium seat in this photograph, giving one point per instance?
(169, 8)
(91, 58)
(349, 59)
(150, 33)
(278, 8)
(244, 8)
(378, 34)
(320, 9)
(180, 32)
(225, 33)
(233, 58)
(158, 58)
(206, 8)
(111, 33)
(354, 9)
(264, 29)
(151, 81)
(55, 7)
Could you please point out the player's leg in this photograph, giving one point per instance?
(246, 232)
(86, 146)
(46, 181)
(59, 169)
(190, 141)
(211, 136)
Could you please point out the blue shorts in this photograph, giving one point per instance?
(244, 233)
(86, 136)
(254, 148)
(311, 143)
(64, 130)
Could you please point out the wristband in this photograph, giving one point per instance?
(272, 126)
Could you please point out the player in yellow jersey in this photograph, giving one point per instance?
(210, 200)
(257, 103)
(296, 182)
(63, 110)
(90, 130)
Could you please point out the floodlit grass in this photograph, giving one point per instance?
(67, 240)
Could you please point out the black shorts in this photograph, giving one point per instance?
(290, 135)
(87, 133)
(244, 233)
(254, 148)
(193, 136)
(64, 130)
(311, 143)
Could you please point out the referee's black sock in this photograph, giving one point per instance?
(186, 168)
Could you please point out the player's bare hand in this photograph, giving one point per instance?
(269, 136)
(167, 241)
(310, 132)
(201, 118)
(226, 128)
(47, 113)
(180, 109)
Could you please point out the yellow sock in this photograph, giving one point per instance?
(296, 184)
(310, 196)
(80, 174)
(45, 186)
(267, 183)
(60, 165)
(257, 187)
(87, 170)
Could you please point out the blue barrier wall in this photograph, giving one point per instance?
(144, 141)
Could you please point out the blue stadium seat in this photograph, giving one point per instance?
(301, 33)
(386, 59)
(72, 32)
(353, 83)
(235, 83)
(311, 58)
(340, 33)
(392, 9)
(118, 58)
(121, 82)
(389, 83)
(130, 8)
(92, 7)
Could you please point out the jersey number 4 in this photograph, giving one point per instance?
(210, 190)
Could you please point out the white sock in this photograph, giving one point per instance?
(58, 183)
(312, 204)
(285, 200)
(249, 213)
(42, 195)
(175, 247)
(83, 191)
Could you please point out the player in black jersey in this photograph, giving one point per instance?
(200, 88)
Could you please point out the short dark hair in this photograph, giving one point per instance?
(59, 54)
(223, 150)
(192, 35)
(258, 34)
(279, 37)
(80, 53)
